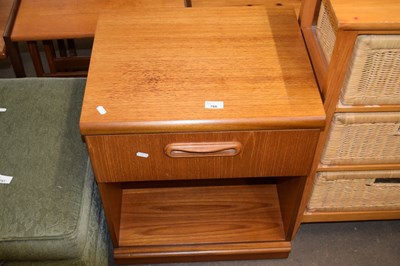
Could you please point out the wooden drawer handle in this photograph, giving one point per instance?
(203, 149)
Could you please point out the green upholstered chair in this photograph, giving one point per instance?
(50, 213)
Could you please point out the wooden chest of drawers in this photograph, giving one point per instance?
(201, 128)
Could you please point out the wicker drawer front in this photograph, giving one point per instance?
(141, 157)
(356, 191)
(373, 76)
(363, 138)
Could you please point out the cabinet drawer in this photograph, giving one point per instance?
(363, 138)
(140, 157)
(372, 77)
(374, 66)
(356, 191)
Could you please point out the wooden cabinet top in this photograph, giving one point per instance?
(157, 71)
(367, 14)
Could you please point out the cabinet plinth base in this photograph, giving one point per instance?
(206, 252)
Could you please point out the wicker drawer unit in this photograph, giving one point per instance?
(363, 138)
(355, 53)
(356, 191)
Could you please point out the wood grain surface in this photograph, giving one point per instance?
(200, 215)
(204, 252)
(312, 217)
(5, 8)
(268, 3)
(169, 62)
(358, 167)
(319, 62)
(264, 153)
(63, 19)
(366, 108)
(111, 198)
(367, 14)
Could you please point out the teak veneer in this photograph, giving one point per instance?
(57, 24)
(268, 3)
(165, 216)
(65, 19)
(182, 182)
(195, 55)
(261, 153)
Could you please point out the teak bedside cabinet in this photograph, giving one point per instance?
(201, 126)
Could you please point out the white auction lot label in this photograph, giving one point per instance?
(214, 105)
(4, 179)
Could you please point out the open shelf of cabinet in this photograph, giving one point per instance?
(200, 215)
(204, 219)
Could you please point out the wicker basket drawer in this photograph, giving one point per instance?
(356, 191)
(363, 138)
(373, 75)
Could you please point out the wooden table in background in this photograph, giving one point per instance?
(48, 21)
(5, 8)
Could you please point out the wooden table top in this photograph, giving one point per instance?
(154, 71)
(367, 14)
(63, 19)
